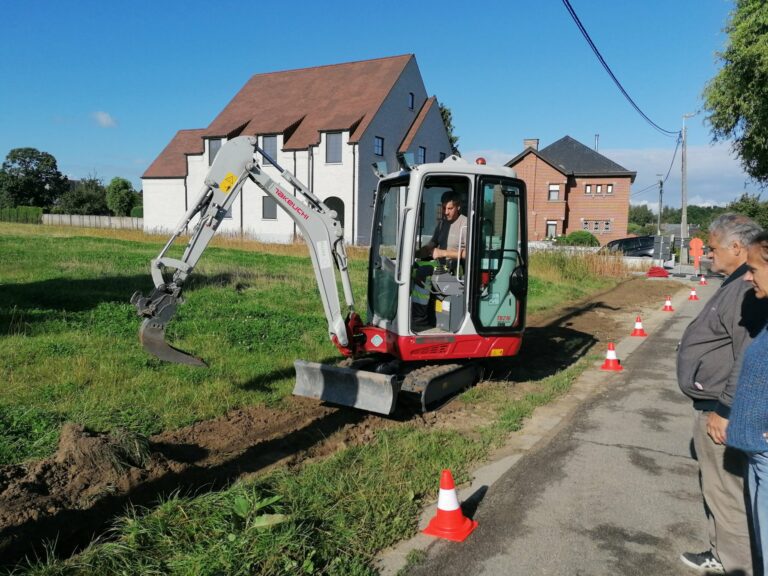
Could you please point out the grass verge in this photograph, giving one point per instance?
(329, 517)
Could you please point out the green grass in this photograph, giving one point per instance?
(68, 335)
(329, 517)
(68, 351)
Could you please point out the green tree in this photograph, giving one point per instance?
(736, 99)
(88, 197)
(751, 206)
(445, 114)
(121, 197)
(641, 215)
(30, 177)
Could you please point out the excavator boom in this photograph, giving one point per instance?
(233, 166)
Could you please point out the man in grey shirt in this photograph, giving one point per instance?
(708, 363)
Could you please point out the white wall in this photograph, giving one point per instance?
(163, 203)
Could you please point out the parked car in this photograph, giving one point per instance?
(637, 246)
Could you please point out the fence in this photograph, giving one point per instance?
(85, 221)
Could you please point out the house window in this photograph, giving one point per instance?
(214, 145)
(333, 148)
(585, 225)
(554, 191)
(269, 145)
(609, 189)
(442, 156)
(551, 228)
(268, 208)
(421, 155)
(599, 189)
(607, 226)
(588, 189)
(596, 225)
(410, 100)
(378, 145)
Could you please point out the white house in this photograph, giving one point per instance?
(326, 124)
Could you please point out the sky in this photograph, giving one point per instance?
(104, 85)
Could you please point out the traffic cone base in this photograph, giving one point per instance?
(668, 305)
(449, 522)
(611, 363)
(639, 331)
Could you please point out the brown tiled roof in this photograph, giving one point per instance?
(172, 161)
(414, 129)
(310, 100)
(297, 103)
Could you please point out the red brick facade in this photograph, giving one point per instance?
(603, 208)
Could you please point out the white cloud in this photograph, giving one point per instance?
(104, 119)
(714, 175)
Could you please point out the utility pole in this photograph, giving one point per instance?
(661, 205)
(684, 194)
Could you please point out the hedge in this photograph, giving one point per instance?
(23, 214)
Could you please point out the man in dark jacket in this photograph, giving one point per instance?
(708, 362)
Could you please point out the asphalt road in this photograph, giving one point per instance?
(612, 490)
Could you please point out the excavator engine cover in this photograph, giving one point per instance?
(347, 386)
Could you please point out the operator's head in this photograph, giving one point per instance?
(451, 206)
(729, 238)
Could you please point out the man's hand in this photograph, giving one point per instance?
(716, 427)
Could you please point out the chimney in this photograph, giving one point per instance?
(531, 143)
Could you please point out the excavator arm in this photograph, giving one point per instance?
(233, 166)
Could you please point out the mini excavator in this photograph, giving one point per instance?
(476, 303)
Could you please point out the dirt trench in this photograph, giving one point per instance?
(75, 495)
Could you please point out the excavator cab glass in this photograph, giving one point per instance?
(385, 250)
(501, 284)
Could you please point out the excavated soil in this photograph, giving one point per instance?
(73, 496)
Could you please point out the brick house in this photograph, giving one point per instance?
(326, 124)
(572, 187)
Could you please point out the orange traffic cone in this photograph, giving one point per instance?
(668, 305)
(638, 331)
(693, 295)
(449, 522)
(611, 362)
(703, 281)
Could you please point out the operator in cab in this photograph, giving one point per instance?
(447, 246)
(450, 233)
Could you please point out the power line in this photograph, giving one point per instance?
(674, 155)
(584, 32)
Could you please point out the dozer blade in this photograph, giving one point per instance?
(152, 337)
(347, 386)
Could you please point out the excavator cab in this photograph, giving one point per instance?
(470, 293)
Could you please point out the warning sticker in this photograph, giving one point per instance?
(229, 181)
(324, 254)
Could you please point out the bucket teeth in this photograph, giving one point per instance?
(152, 338)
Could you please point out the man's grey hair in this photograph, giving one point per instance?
(730, 227)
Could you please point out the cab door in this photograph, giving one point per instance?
(499, 278)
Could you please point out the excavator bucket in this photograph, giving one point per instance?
(347, 386)
(152, 338)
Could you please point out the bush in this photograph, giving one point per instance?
(24, 214)
(578, 238)
(137, 212)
